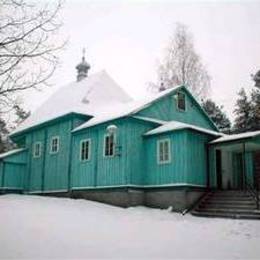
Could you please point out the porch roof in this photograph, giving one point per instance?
(176, 125)
(236, 137)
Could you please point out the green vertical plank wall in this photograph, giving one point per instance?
(99, 170)
(197, 157)
(212, 167)
(36, 164)
(50, 172)
(174, 172)
(188, 159)
(127, 168)
(55, 175)
(12, 171)
(166, 109)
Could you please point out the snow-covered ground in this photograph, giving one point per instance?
(41, 227)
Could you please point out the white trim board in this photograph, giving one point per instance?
(141, 186)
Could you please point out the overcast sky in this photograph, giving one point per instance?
(126, 38)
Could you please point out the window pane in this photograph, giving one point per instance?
(54, 144)
(164, 151)
(84, 150)
(109, 145)
(181, 101)
(37, 150)
(161, 151)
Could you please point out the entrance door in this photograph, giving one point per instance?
(219, 169)
(239, 172)
(257, 169)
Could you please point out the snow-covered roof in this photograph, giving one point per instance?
(149, 119)
(227, 138)
(84, 97)
(108, 113)
(3, 155)
(175, 125)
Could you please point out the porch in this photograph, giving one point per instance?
(233, 178)
(234, 162)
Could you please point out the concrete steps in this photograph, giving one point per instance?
(227, 204)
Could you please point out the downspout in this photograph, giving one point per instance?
(207, 165)
(44, 158)
(29, 167)
(3, 175)
(244, 165)
(70, 157)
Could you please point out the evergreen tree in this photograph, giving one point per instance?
(6, 127)
(243, 113)
(255, 98)
(217, 115)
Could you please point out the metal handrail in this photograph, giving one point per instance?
(253, 191)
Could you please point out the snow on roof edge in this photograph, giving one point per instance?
(150, 119)
(176, 125)
(131, 112)
(12, 152)
(15, 132)
(234, 137)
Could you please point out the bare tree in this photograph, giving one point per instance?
(28, 46)
(182, 65)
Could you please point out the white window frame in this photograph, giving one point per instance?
(58, 144)
(104, 146)
(177, 102)
(89, 150)
(34, 149)
(163, 141)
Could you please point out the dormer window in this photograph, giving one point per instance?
(181, 102)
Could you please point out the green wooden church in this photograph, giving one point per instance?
(91, 140)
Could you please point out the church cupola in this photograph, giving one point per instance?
(82, 68)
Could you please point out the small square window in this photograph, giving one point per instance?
(55, 143)
(163, 151)
(109, 145)
(85, 146)
(37, 149)
(181, 102)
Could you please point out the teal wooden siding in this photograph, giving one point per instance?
(174, 172)
(166, 109)
(36, 164)
(56, 170)
(12, 171)
(136, 150)
(197, 157)
(188, 159)
(102, 171)
(212, 168)
(99, 170)
(50, 171)
(238, 167)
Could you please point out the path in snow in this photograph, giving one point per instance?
(41, 227)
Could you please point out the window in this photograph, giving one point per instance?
(163, 151)
(85, 146)
(109, 145)
(37, 149)
(55, 143)
(181, 102)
